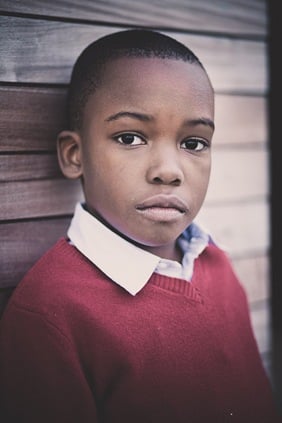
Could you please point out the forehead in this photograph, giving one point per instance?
(154, 82)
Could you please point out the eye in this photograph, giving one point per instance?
(194, 144)
(129, 139)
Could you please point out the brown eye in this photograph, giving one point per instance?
(127, 138)
(194, 144)
(130, 139)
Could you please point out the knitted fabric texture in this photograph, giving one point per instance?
(76, 347)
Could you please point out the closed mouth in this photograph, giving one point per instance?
(162, 208)
(162, 201)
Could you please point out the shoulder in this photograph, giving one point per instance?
(217, 270)
(54, 263)
(214, 255)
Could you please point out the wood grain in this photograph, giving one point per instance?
(38, 198)
(240, 228)
(25, 167)
(240, 120)
(50, 49)
(30, 118)
(238, 175)
(253, 272)
(222, 17)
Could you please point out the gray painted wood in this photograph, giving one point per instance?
(248, 17)
(50, 49)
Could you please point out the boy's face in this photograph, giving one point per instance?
(146, 149)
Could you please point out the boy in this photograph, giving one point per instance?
(136, 316)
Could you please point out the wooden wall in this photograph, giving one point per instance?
(40, 41)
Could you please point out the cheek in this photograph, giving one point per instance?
(203, 191)
(199, 180)
(204, 178)
(108, 182)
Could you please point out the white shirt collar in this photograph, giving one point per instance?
(125, 263)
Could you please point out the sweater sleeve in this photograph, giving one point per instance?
(56, 389)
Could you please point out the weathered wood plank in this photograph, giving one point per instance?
(238, 175)
(253, 273)
(22, 243)
(222, 16)
(24, 167)
(240, 228)
(50, 49)
(30, 119)
(38, 198)
(240, 120)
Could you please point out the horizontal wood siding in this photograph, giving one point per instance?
(231, 69)
(39, 43)
(38, 198)
(226, 17)
(30, 118)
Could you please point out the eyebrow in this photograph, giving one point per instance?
(201, 121)
(134, 115)
(146, 118)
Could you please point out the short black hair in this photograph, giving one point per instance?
(87, 70)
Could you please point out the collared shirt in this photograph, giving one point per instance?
(126, 264)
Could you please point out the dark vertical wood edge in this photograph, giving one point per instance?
(275, 94)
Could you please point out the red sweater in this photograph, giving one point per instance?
(77, 348)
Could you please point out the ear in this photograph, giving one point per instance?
(69, 154)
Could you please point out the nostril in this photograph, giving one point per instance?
(157, 180)
(165, 170)
(176, 182)
(164, 181)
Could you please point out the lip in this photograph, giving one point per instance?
(162, 208)
(163, 201)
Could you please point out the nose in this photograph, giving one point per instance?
(165, 168)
